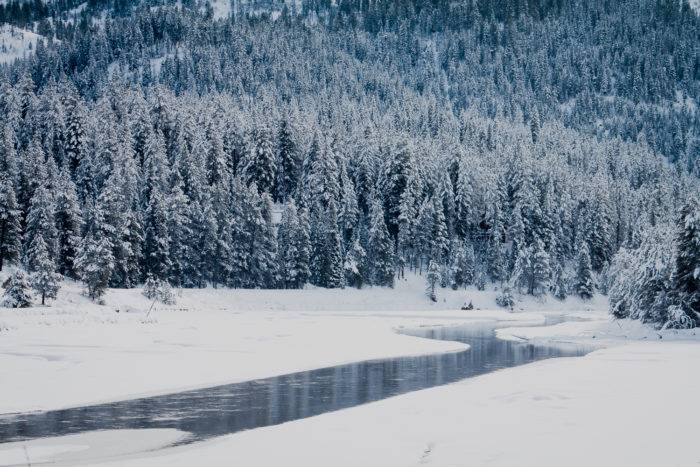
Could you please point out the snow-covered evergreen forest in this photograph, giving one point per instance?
(548, 147)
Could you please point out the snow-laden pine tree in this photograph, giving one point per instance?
(432, 279)
(264, 265)
(261, 161)
(355, 263)
(584, 287)
(559, 286)
(464, 199)
(75, 132)
(224, 244)
(10, 223)
(303, 246)
(95, 261)
(463, 266)
(18, 293)
(393, 180)
(293, 250)
(241, 235)
(8, 152)
(200, 249)
(438, 236)
(380, 248)
(496, 255)
(326, 262)
(156, 249)
(349, 212)
(532, 271)
(287, 246)
(408, 221)
(40, 221)
(68, 224)
(178, 229)
(288, 161)
(686, 276)
(45, 280)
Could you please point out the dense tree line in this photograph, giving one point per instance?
(374, 140)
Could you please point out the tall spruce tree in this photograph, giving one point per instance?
(686, 276)
(10, 223)
(584, 273)
(95, 262)
(40, 221)
(381, 248)
(68, 225)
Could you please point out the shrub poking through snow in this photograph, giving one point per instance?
(18, 293)
(505, 298)
(156, 289)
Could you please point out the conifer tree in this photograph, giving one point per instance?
(532, 269)
(559, 287)
(464, 195)
(156, 249)
(40, 221)
(241, 235)
(393, 180)
(584, 274)
(408, 221)
(686, 277)
(287, 251)
(261, 166)
(431, 280)
(303, 247)
(381, 248)
(463, 266)
(75, 133)
(8, 153)
(68, 224)
(95, 262)
(18, 293)
(45, 281)
(288, 161)
(496, 256)
(355, 260)
(326, 253)
(10, 223)
(264, 266)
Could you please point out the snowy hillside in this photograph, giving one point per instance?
(16, 43)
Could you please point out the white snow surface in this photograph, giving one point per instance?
(629, 403)
(73, 448)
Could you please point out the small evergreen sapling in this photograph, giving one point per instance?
(156, 289)
(432, 279)
(45, 280)
(17, 291)
(505, 298)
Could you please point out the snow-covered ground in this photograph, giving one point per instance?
(626, 404)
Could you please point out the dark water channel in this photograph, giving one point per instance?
(220, 410)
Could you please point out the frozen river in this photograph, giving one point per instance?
(220, 410)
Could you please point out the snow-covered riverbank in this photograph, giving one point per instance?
(77, 353)
(583, 411)
(628, 405)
